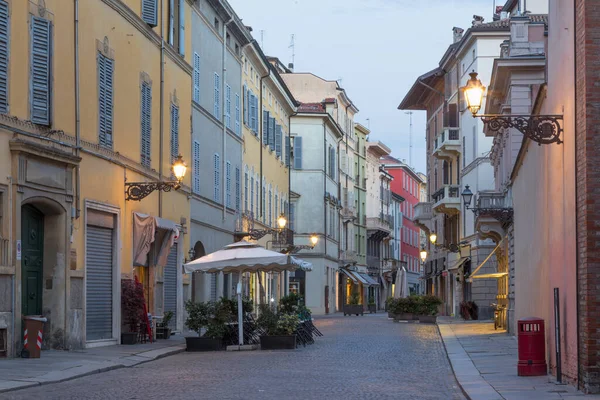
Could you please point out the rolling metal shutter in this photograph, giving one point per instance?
(99, 283)
(170, 285)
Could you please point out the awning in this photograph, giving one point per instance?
(487, 276)
(349, 275)
(146, 229)
(460, 263)
(360, 278)
(370, 280)
(494, 275)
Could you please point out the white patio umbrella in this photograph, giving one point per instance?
(243, 257)
(401, 284)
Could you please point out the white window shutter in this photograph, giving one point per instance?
(237, 114)
(217, 178)
(146, 121)
(228, 184)
(217, 98)
(196, 77)
(40, 70)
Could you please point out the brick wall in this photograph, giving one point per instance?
(587, 137)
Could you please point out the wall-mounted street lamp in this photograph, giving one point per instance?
(453, 248)
(423, 254)
(138, 190)
(543, 129)
(257, 234)
(314, 240)
(502, 214)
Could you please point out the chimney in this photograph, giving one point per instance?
(457, 33)
(291, 67)
(477, 20)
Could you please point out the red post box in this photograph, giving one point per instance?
(532, 347)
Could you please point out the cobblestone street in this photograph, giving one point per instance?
(366, 357)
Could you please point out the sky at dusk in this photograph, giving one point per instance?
(376, 48)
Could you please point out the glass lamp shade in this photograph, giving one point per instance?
(423, 255)
(179, 168)
(474, 91)
(433, 238)
(467, 196)
(314, 239)
(281, 221)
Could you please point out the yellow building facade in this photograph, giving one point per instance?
(268, 105)
(92, 100)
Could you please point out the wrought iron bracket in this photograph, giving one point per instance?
(502, 215)
(257, 234)
(137, 191)
(542, 129)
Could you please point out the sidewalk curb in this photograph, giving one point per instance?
(161, 353)
(466, 374)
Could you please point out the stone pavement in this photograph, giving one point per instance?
(368, 357)
(58, 366)
(485, 364)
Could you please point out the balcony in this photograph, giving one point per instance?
(447, 144)
(348, 257)
(348, 214)
(447, 200)
(390, 264)
(493, 213)
(423, 214)
(378, 227)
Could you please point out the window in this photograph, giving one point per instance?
(270, 208)
(298, 152)
(217, 181)
(196, 167)
(174, 132)
(149, 11)
(176, 25)
(272, 133)
(237, 114)
(251, 194)
(216, 24)
(228, 184)
(287, 151)
(257, 196)
(292, 216)
(246, 191)
(4, 56)
(264, 204)
(146, 107)
(105, 100)
(217, 98)
(278, 133)
(197, 77)
(265, 127)
(237, 188)
(246, 106)
(228, 106)
(39, 79)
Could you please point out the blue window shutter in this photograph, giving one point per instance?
(4, 55)
(251, 194)
(228, 184)
(287, 151)
(196, 167)
(298, 152)
(105, 100)
(255, 113)
(246, 191)
(174, 132)
(238, 193)
(41, 37)
(265, 129)
(217, 98)
(246, 106)
(252, 112)
(237, 114)
(217, 176)
(272, 133)
(149, 11)
(146, 124)
(292, 216)
(228, 106)
(278, 140)
(197, 77)
(182, 27)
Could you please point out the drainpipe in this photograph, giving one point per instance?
(260, 127)
(577, 229)
(223, 83)
(325, 185)
(162, 105)
(77, 114)
(339, 186)
(10, 260)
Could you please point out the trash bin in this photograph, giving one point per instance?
(532, 347)
(32, 337)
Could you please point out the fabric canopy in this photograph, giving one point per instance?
(401, 284)
(246, 257)
(349, 275)
(370, 280)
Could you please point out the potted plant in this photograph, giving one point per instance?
(204, 318)
(353, 307)
(404, 309)
(132, 309)
(278, 329)
(428, 309)
(372, 306)
(162, 328)
(390, 306)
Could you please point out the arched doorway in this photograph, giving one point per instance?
(32, 268)
(199, 251)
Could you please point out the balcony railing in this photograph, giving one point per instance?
(4, 245)
(493, 205)
(389, 264)
(378, 223)
(491, 200)
(447, 199)
(447, 143)
(423, 211)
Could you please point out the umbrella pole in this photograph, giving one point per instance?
(240, 311)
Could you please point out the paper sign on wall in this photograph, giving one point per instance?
(18, 250)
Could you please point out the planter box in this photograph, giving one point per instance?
(163, 333)
(427, 319)
(372, 308)
(350, 309)
(278, 342)
(403, 317)
(193, 343)
(391, 315)
(129, 338)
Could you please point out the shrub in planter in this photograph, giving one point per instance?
(162, 328)
(404, 308)
(132, 309)
(428, 308)
(353, 307)
(279, 329)
(372, 306)
(207, 316)
(390, 306)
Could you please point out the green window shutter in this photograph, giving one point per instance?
(4, 56)
(146, 123)
(149, 11)
(105, 100)
(265, 132)
(298, 152)
(40, 70)
(278, 140)
(272, 133)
